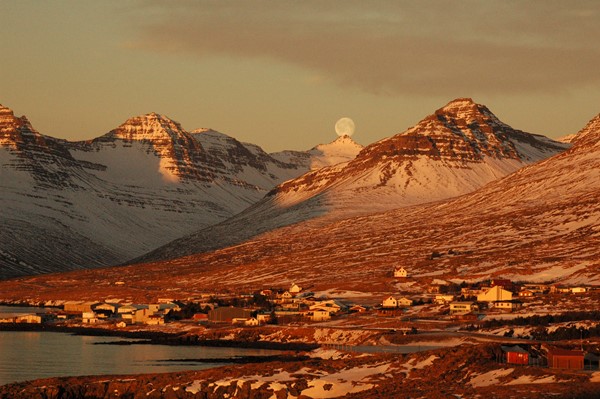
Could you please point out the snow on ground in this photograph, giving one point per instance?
(489, 378)
(347, 381)
(332, 354)
(320, 385)
(336, 336)
(424, 363)
(530, 379)
(335, 293)
(548, 273)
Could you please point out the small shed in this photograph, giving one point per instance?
(565, 359)
(515, 355)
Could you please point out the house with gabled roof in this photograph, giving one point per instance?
(295, 288)
(389, 303)
(496, 293)
(400, 272)
(404, 302)
(462, 307)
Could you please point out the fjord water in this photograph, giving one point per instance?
(40, 354)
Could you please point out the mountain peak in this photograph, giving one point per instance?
(15, 129)
(589, 135)
(342, 149)
(344, 139)
(148, 127)
(9, 122)
(461, 102)
(465, 111)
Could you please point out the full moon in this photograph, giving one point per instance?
(344, 127)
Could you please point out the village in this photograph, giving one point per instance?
(440, 306)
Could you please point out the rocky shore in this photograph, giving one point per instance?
(464, 371)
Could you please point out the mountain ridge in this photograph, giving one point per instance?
(103, 201)
(456, 150)
(540, 224)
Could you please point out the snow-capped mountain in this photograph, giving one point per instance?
(67, 205)
(342, 149)
(458, 149)
(539, 224)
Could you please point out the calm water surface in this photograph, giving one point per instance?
(31, 355)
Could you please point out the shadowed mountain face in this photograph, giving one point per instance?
(67, 205)
(458, 149)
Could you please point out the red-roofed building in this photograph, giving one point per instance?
(565, 359)
(516, 355)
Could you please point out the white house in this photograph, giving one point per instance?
(28, 318)
(443, 299)
(154, 319)
(263, 318)
(506, 305)
(286, 297)
(89, 318)
(462, 307)
(318, 315)
(390, 302)
(295, 288)
(495, 293)
(400, 272)
(404, 302)
(578, 290)
(329, 305)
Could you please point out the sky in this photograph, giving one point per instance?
(280, 73)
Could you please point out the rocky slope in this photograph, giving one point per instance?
(541, 223)
(67, 205)
(465, 371)
(458, 149)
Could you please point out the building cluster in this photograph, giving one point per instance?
(464, 301)
(97, 312)
(121, 313)
(550, 356)
(22, 318)
(293, 304)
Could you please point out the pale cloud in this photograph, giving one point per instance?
(424, 47)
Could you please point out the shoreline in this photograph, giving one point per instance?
(158, 338)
